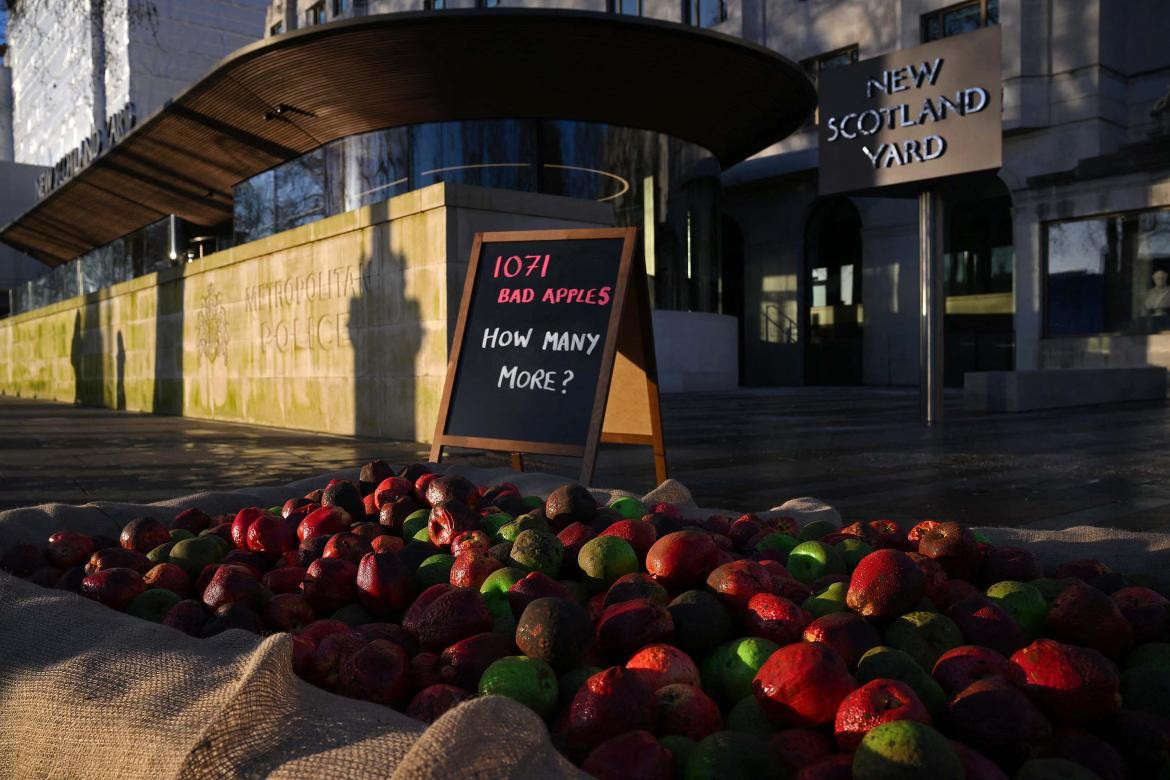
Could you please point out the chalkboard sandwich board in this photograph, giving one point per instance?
(545, 317)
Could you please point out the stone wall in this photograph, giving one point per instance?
(340, 326)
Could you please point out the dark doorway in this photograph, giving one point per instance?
(979, 331)
(833, 346)
(731, 280)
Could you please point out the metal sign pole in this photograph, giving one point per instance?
(931, 300)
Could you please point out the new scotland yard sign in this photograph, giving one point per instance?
(923, 113)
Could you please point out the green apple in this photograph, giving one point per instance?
(812, 560)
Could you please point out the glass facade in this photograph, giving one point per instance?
(653, 182)
(141, 252)
(1108, 274)
(979, 256)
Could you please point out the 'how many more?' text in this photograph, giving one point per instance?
(553, 340)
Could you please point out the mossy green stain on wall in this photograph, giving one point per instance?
(354, 341)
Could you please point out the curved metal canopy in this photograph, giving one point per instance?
(279, 98)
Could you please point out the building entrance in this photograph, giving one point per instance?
(978, 260)
(834, 317)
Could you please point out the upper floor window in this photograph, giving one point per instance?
(276, 29)
(434, 5)
(833, 59)
(627, 7)
(340, 7)
(959, 19)
(704, 13)
(487, 3)
(315, 14)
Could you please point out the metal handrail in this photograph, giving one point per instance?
(786, 327)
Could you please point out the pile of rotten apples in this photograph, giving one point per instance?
(659, 646)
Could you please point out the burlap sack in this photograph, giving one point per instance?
(88, 692)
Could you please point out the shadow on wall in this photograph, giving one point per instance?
(385, 329)
(85, 355)
(120, 375)
(168, 344)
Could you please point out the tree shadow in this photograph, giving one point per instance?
(120, 374)
(385, 329)
(85, 355)
(168, 343)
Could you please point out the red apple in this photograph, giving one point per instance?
(385, 585)
(330, 583)
(326, 521)
(240, 524)
(143, 534)
(878, 701)
(660, 665)
(170, 577)
(1071, 684)
(802, 685)
(67, 549)
(115, 587)
(682, 559)
(776, 618)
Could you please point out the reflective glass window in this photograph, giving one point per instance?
(1109, 274)
(254, 207)
(705, 13)
(959, 19)
(300, 190)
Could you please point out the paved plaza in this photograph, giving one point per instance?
(861, 449)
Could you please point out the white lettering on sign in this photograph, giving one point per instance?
(497, 337)
(891, 81)
(99, 140)
(516, 378)
(558, 341)
(885, 155)
(934, 109)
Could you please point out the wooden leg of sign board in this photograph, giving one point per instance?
(632, 413)
(517, 461)
(436, 453)
(651, 367)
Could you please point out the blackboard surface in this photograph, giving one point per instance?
(534, 339)
(535, 349)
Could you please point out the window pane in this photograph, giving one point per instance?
(630, 7)
(253, 208)
(705, 13)
(962, 20)
(933, 29)
(992, 12)
(838, 59)
(300, 190)
(1152, 267)
(847, 284)
(1080, 254)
